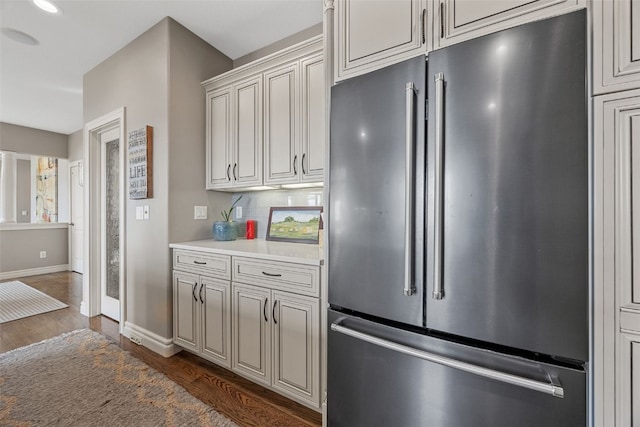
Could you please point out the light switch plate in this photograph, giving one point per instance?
(139, 212)
(199, 212)
(146, 211)
(238, 212)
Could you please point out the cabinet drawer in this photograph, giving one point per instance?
(204, 263)
(297, 278)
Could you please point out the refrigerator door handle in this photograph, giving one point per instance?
(409, 287)
(438, 291)
(552, 388)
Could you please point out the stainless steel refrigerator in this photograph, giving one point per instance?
(459, 235)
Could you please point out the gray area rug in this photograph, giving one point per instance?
(18, 300)
(83, 379)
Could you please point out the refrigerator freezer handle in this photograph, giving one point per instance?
(438, 291)
(409, 288)
(552, 388)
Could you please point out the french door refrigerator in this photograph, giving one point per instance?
(459, 235)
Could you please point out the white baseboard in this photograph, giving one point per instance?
(154, 342)
(34, 271)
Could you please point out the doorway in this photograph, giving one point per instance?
(76, 225)
(104, 284)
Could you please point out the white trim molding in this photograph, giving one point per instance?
(34, 271)
(154, 342)
(90, 305)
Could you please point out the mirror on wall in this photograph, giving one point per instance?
(33, 189)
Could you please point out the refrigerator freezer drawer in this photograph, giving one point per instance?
(379, 375)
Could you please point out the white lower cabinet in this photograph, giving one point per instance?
(617, 260)
(276, 337)
(262, 321)
(202, 321)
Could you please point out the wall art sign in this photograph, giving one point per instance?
(141, 163)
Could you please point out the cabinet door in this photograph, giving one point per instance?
(374, 34)
(616, 49)
(218, 137)
(617, 264)
(458, 20)
(186, 310)
(216, 320)
(628, 379)
(296, 339)
(251, 332)
(247, 165)
(281, 160)
(313, 119)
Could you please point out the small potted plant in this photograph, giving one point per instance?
(227, 229)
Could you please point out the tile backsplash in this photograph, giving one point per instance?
(256, 205)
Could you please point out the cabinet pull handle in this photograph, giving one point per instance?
(201, 287)
(272, 274)
(264, 310)
(424, 25)
(228, 169)
(193, 292)
(441, 21)
(199, 262)
(295, 164)
(409, 287)
(304, 172)
(438, 287)
(273, 312)
(234, 171)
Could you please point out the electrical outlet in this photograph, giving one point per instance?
(238, 212)
(24, 213)
(139, 212)
(135, 339)
(43, 254)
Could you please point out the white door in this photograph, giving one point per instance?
(110, 224)
(77, 217)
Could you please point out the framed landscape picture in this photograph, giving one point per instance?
(294, 224)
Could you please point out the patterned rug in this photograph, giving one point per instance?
(18, 300)
(83, 379)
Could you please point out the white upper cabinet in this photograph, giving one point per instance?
(313, 119)
(458, 20)
(218, 134)
(295, 122)
(281, 96)
(616, 48)
(266, 121)
(247, 132)
(373, 34)
(234, 135)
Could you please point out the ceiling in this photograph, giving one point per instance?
(41, 86)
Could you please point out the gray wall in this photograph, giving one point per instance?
(279, 45)
(20, 249)
(32, 141)
(76, 150)
(148, 83)
(191, 61)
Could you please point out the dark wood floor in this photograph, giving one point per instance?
(244, 402)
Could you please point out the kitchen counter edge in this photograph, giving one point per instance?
(299, 253)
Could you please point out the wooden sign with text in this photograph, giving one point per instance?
(141, 163)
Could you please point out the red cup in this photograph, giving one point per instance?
(251, 229)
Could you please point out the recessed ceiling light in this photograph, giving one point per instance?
(19, 36)
(48, 6)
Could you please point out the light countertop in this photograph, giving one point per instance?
(300, 253)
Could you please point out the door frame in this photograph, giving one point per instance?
(80, 165)
(90, 305)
